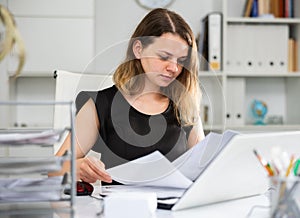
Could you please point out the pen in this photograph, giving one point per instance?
(264, 163)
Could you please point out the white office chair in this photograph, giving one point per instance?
(68, 85)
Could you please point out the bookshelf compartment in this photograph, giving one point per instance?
(213, 101)
(292, 100)
(279, 93)
(272, 91)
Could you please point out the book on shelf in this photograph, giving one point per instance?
(263, 7)
(254, 9)
(296, 56)
(210, 42)
(292, 55)
(276, 8)
(271, 8)
(248, 7)
(288, 8)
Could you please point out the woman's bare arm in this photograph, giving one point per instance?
(196, 134)
(86, 133)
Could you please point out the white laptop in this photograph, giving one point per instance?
(236, 172)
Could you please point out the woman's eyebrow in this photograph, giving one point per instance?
(167, 53)
(170, 54)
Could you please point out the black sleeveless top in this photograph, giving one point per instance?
(126, 134)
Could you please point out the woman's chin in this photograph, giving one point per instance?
(165, 83)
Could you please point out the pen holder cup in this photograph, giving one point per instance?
(285, 197)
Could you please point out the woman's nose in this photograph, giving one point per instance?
(172, 66)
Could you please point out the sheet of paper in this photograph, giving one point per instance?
(156, 170)
(151, 170)
(193, 162)
(161, 192)
(189, 163)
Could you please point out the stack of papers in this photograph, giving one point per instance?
(47, 137)
(30, 189)
(18, 165)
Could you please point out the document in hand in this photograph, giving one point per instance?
(156, 170)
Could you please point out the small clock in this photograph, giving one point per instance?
(151, 4)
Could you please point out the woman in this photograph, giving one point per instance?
(154, 104)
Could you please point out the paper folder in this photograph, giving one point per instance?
(210, 47)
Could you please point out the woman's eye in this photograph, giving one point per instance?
(182, 61)
(164, 58)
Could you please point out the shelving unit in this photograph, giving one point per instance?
(56, 35)
(24, 174)
(266, 78)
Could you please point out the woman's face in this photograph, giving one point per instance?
(163, 60)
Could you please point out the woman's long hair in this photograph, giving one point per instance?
(184, 91)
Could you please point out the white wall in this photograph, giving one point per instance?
(116, 20)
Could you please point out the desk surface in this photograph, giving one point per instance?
(251, 207)
(87, 206)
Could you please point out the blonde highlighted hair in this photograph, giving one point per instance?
(184, 91)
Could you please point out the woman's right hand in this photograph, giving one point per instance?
(91, 169)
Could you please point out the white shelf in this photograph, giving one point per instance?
(250, 20)
(265, 127)
(210, 74)
(252, 128)
(260, 74)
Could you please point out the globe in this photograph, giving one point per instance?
(259, 110)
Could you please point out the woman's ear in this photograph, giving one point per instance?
(137, 48)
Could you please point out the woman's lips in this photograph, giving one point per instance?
(166, 78)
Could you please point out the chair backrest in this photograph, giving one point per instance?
(68, 85)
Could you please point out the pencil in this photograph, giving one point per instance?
(264, 163)
(287, 173)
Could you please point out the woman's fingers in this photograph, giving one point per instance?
(99, 168)
(85, 173)
(92, 170)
